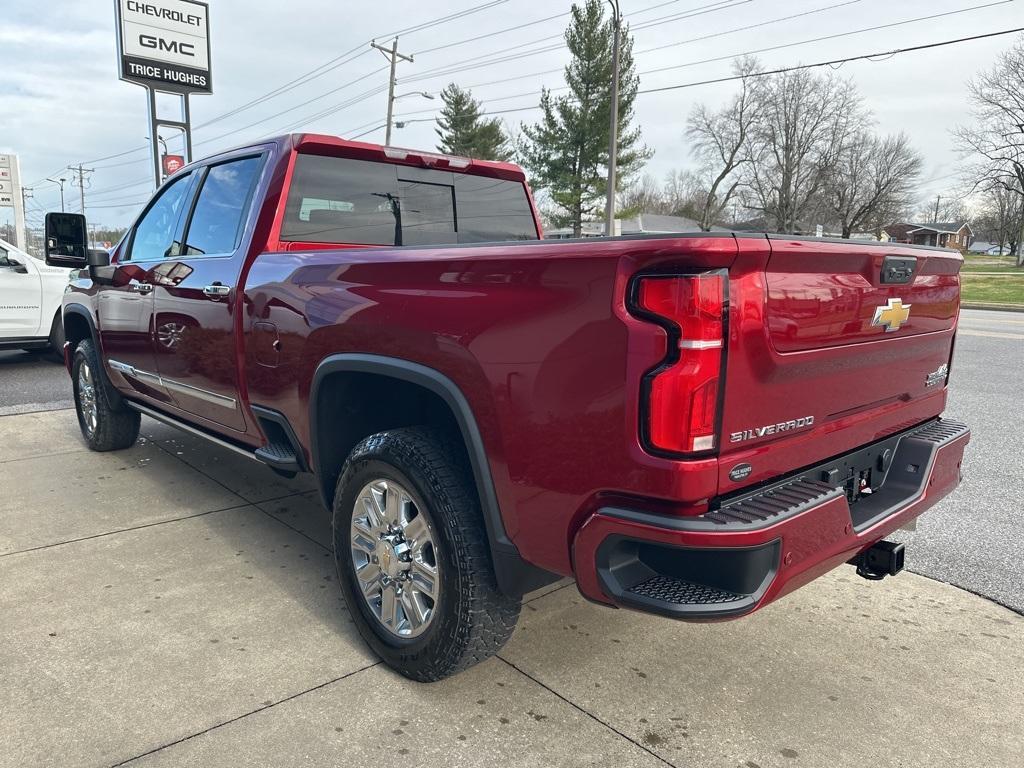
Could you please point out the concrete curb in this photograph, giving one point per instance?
(992, 305)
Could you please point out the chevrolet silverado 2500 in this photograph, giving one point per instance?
(690, 425)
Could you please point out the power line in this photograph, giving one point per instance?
(823, 38)
(347, 57)
(489, 59)
(748, 27)
(301, 80)
(733, 55)
(492, 34)
(338, 108)
(318, 71)
(539, 21)
(450, 17)
(833, 62)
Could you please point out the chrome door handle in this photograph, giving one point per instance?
(138, 287)
(217, 290)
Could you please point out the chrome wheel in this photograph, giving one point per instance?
(87, 398)
(394, 557)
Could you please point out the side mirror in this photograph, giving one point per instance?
(14, 265)
(67, 243)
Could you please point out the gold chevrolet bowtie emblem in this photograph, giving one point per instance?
(893, 315)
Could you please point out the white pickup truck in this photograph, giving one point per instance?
(30, 294)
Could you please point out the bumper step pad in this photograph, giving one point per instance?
(791, 498)
(678, 592)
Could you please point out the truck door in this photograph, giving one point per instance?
(20, 296)
(125, 309)
(195, 301)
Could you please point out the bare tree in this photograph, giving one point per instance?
(804, 122)
(719, 142)
(643, 195)
(684, 194)
(992, 147)
(873, 180)
(951, 205)
(998, 219)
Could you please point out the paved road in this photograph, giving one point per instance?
(972, 539)
(975, 538)
(32, 381)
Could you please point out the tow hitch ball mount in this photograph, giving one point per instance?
(881, 559)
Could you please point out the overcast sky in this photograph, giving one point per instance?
(63, 102)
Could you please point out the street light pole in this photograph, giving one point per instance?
(613, 138)
(60, 183)
(392, 54)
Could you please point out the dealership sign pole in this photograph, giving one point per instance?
(12, 195)
(164, 46)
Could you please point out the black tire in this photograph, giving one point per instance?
(472, 618)
(56, 339)
(116, 426)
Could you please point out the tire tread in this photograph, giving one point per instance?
(486, 616)
(118, 426)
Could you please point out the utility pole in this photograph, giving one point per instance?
(80, 172)
(935, 220)
(393, 55)
(613, 139)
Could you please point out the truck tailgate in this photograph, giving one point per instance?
(832, 345)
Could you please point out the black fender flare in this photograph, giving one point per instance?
(515, 576)
(81, 310)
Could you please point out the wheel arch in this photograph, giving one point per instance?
(344, 388)
(79, 326)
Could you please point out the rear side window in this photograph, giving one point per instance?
(219, 214)
(493, 209)
(338, 200)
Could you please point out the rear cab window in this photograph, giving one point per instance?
(215, 227)
(362, 202)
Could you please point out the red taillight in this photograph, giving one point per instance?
(683, 391)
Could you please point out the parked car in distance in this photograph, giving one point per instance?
(688, 425)
(30, 294)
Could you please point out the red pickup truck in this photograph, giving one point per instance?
(690, 425)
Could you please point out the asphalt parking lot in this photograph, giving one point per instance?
(175, 605)
(975, 538)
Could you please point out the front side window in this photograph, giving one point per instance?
(154, 234)
(360, 202)
(219, 214)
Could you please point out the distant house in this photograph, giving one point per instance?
(989, 249)
(944, 234)
(644, 223)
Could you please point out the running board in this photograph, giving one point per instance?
(270, 455)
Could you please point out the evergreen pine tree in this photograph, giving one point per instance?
(566, 152)
(463, 130)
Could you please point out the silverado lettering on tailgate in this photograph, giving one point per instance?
(770, 429)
